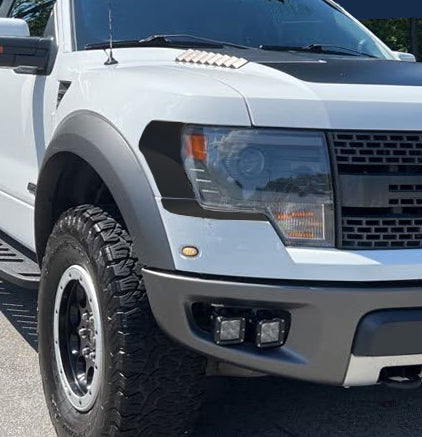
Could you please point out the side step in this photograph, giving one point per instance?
(17, 267)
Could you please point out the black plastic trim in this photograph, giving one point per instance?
(363, 193)
(32, 188)
(63, 89)
(18, 264)
(30, 55)
(373, 191)
(191, 208)
(389, 333)
(335, 181)
(161, 145)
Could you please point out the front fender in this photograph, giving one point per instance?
(96, 141)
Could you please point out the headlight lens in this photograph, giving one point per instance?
(285, 174)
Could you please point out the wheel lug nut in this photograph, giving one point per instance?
(92, 356)
(85, 351)
(83, 332)
(85, 317)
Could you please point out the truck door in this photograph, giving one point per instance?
(22, 145)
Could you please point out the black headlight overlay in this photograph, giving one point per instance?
(283, 174)
(161, 145)
(190, 207)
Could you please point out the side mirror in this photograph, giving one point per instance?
(18, 50)
(405, 57)
(13, 27)
(27, 55)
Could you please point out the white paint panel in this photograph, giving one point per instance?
(366, 370)
(17, 220)
(276, 99)
(254, 249)
(13, 27)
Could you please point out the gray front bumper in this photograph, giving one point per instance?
(324, 320)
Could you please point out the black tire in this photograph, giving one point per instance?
(150, 386)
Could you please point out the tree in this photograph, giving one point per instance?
(401, 34)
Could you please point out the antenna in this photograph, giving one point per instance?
(111, 60)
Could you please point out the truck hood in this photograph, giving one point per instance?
(274, 89)
(309, 91)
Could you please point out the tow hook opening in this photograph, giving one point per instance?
(403, 377)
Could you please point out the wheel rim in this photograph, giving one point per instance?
(78, 341)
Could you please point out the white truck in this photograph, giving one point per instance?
(196, 187)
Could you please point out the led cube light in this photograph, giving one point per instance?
(229, 330)
(270, 333)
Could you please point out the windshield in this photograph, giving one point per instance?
(255, 23)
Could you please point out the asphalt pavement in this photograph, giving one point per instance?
(260, 407)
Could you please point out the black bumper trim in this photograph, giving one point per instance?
(389, 333)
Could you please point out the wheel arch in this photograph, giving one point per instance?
(86, 149)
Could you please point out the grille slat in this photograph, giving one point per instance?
(374, 233)
(377, 150)
(396, 220)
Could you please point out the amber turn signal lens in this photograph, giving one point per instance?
(1, 50)
(298, 234)
(295, 214)
(190, 251)
(196, 147)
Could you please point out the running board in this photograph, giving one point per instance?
(16, 267)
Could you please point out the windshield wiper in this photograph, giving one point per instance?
(179, 41)
(329, 49)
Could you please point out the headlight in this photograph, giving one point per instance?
(284, 174)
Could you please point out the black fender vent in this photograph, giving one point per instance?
(63, 88)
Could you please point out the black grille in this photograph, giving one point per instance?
(405, 188)
(405, 195)
(375, 149)
(382, 232)
(388, 167)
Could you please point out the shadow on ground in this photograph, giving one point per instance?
(270, 407)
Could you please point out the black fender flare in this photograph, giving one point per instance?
(95, 140)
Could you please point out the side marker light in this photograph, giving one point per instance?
(190, 251)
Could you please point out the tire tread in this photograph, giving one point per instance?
(158, 385)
